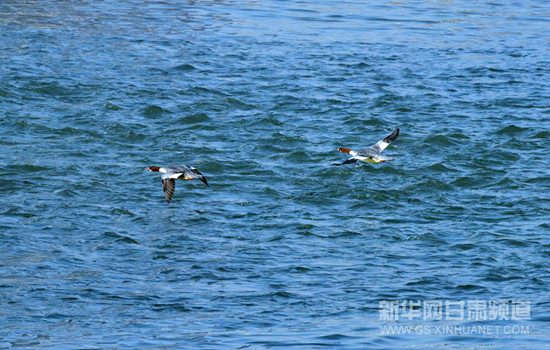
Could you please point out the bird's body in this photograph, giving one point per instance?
(373, 154)
(171, 173)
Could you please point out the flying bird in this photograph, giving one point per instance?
(171, 173)
(373, 154)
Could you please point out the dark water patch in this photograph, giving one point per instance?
(544, 180)
(427, 236)
(193, 119)
(497, 276)
(285, 140)
(464, 246)
(18, 212)
(428, 186)
(366, 121)
(153, 110)
(471, 288)
(235, 103)
(127, 132)
(494, 158)
(185, 67)
(270, 191)
(404, 109)
(511, 130)
(440, 140)
(267, 121)
(441, 167)
(115, 237)
(335, 101)
(520, 144)
(466, 182)
(517, 103)
(22, 169)
(217, 167)
(4, 92)
(159, 71)
(514, 242)
(67, 192)
(176, 307)
(335, 336)
(122, 212)
(542, 135)
(204, 92)
(425, 282)
(287, 100)
(459, 136)
(389, 101)
(52, 89)
(112, 107)
(12, 184)
(505, 183)
(68, 131)
(298, 156)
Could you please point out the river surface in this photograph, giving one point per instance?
(284, 249)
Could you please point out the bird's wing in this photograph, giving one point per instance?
(382, 144)
(187, 173)
(195, 171)
(349, 161)
(199, 175)
(168, 186)
(180, 168)
(367, 152)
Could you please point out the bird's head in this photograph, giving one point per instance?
(344, 150)
(153, 168)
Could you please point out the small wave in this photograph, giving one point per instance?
(470, 287)
(514, 242)
(511, 129)
(201, 90)
(185, 67)
(466, 182)
(233, 102)
(112, 107)
(440, 140)
(194, 119)
(335, 336)
(179, 307)
(27, 168)
(542, 135)
(353, 120)
(440, 167)
(496, 156)
(429, 186)
(269, 120)
(153, 110)
(427, 236)
(119, 238)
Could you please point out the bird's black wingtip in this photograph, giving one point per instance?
(393, 136)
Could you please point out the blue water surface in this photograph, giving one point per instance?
(284, 249)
